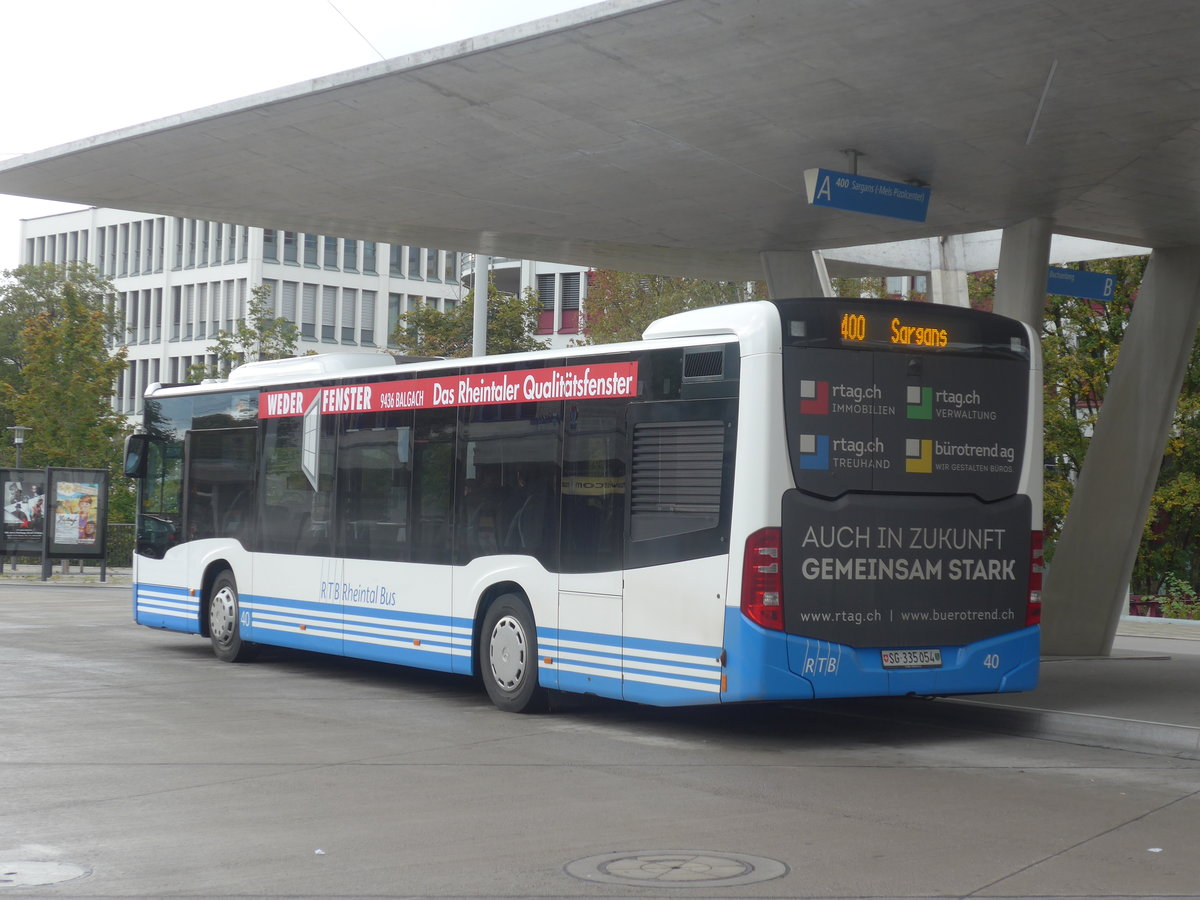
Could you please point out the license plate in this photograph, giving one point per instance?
(912, 659)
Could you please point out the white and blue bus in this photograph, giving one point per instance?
(769, 500)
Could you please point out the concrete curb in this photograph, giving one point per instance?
(1106, 732)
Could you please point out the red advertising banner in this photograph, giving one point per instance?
(590, 382)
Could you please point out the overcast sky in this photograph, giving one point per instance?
(77, 68)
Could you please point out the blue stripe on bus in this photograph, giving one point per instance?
(642, 669)
(166, 606)
(410, 638)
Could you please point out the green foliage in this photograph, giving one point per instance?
(621, 305)
(1178, 598)
(261, 335)
(1080, 341)
(1080, 344)
(55, 322)
(867, 286)
(511, 326)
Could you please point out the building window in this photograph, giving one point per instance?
(366, 320)
(189, 311)
(310, 250)
(431, 265)
(395, 310)
(290, 248)
(201, 310)
(396, 261)
(545, 287)
(414, 263)
(329, 314)
(270, 245)
(124, 270)
(288, 310)
(331, 254)
(451, 268)
(203, 228)
(349, 304)
(368, 261)
(160, 241)
(570, 303)
(189, 255)
(308, 312)
(349, 255)
(570, 290)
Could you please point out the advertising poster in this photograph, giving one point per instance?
(24, 507)
(75, 512)
(78, 509)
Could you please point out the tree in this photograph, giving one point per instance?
(261, 335)
(511, 326)
(60, 371)
(622, 304)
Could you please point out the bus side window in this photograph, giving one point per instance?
(432, 485)
(374, 476)
(295, 517)
(593, 486)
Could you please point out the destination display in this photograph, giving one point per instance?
(901, 326)
(896, 572)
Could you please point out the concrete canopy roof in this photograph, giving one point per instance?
(672, 136)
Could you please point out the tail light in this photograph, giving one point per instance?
(1037, 565)
(762, 580)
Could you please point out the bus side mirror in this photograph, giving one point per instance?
(137, 449)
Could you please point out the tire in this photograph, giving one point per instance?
(508, 659)
(224, 626)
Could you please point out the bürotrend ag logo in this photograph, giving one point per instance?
(918, 456)
(814, 397)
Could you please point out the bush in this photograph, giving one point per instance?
(1179, 598)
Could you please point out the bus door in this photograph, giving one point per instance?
(590, 547)
(218, 499)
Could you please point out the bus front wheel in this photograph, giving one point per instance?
(224, 626)
(508, 656)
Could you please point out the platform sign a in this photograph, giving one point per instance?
(1085, 285)
(873, 196)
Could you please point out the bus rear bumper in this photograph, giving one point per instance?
(768, 665)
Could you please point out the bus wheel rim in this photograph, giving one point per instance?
(222, 615)
(508, 653)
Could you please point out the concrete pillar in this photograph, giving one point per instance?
(483, 265)
(948, 274)
(1088, 580)
(796, 274)
(1021, 275)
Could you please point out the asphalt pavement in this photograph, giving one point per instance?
(135, 765)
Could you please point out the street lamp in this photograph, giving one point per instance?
(19, 432)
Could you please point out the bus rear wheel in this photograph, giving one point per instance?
(508, 656)
(224, 625)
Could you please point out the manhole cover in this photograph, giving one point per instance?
(29, 873)
(676, 868)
